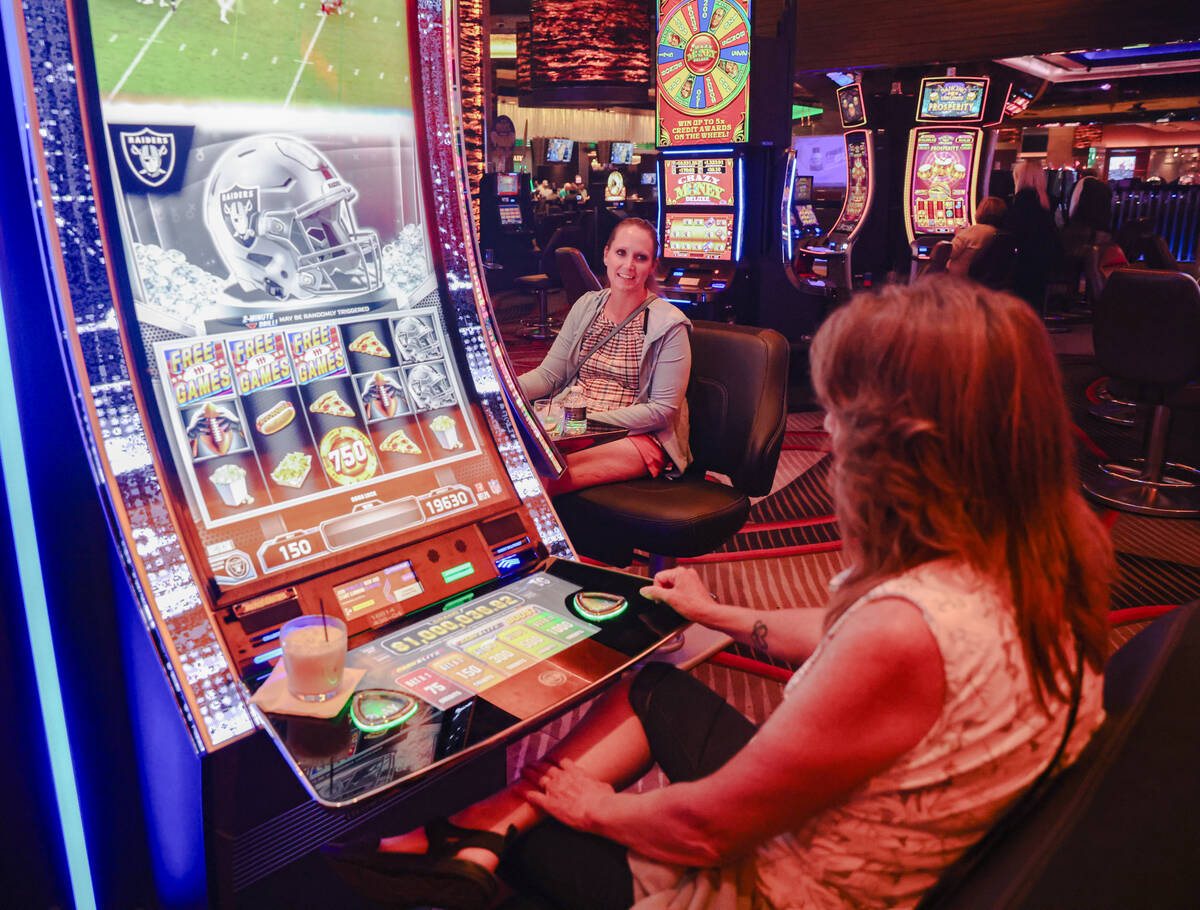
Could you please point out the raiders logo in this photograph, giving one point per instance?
(239, 211)
(150, 155)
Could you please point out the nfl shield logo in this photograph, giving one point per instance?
(239, 212)
(150, 155)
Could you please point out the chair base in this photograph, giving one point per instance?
(539, 332)
(1111, 411)
(1176, 493)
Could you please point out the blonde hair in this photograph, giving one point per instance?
(1028, 175)
(953, 440)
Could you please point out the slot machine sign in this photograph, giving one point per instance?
(941, 180)
(698, 181)
(703, 72)
(960, 100)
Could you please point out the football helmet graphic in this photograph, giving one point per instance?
(283, 222)
(430, 388)
(416, 340)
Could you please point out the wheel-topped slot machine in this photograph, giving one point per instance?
(293, 390)
(826, 265)
(700, 224)
(942, 169)
(702, 113)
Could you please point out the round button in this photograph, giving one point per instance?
(433, 555)
(461, 546)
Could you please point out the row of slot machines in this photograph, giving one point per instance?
(295, 401)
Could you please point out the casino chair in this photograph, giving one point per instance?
(993, 265)
(1112, 404)
(577, 277)
(1110, 832)
(541, 326)
(737, 405)
(1147, 332)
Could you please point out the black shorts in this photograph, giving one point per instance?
(692, 732)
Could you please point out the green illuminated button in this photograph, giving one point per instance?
(375, 710)
(454, 573)
(599, 605)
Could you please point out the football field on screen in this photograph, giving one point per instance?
(271, 51)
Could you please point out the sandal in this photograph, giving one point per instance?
(434, 878)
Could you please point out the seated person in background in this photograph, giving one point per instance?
(974, 237)
(1032, 225)
(635, 379)
(937, 679)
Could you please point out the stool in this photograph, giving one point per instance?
(541, 327)
(1147, 332)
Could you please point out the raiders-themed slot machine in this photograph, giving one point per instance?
(294, 396)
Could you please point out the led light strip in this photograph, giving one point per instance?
(29, 570)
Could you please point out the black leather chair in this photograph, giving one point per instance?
(1117, 829)
(737, 404)
(1114, 403)
(577, 277)
(1147, 332)
(993, 265)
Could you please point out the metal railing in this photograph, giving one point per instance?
(1174, 210)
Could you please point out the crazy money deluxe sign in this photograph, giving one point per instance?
(702, 62)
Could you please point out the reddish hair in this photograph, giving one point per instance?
(952, 439)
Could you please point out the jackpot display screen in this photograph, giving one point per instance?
(702, 61)
(698, 181)
(277, 265)
(941, 171)
(699, 236)
(850, 106)
(960, 100)
(508, 184)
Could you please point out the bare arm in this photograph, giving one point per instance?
(790, 634)
(875, 692)
(548, 377)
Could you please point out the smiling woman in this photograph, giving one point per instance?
(631, 353)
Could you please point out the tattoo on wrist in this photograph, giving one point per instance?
(758, 635)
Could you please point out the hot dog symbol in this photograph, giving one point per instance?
(278, 416)
(212, 427)
(382, 394)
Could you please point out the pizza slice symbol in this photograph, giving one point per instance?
(369, 343)
(333, 404)
(400, 443)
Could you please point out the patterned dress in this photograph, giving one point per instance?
(890, 840)
(610, 376)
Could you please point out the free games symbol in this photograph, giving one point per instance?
(239, 212)
(150, 155)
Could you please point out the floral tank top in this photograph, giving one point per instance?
(889, 841)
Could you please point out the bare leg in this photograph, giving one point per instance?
(608, 743)
(607, 463)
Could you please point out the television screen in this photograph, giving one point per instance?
(649, 178)
(824, 157)
(560, 150)
(622, 153)
(698, 236)
(1120, 167)
(1035, 143)
(507, 184)
(941, 165)
(802, 188)
(698, 181)
(955, 99)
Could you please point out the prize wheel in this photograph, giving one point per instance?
(703, 55)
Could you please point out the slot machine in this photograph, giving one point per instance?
(711, 181)
(292, 392)
(827, 265)
(943, 162)
(701, 229)
(506, 219)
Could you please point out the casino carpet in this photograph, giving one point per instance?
(790, 547)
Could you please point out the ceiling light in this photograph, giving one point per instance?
(1105, 86)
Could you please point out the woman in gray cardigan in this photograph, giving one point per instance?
(636, 379)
